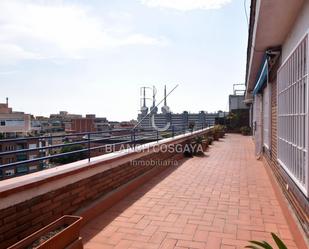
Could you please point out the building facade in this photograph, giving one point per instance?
(90, 123)
(236, 102)
(277, 88)
(178, 120)
(13, 123)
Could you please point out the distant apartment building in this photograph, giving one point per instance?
(21, 156)
(149, 117)
(64, 115)
(236, 102)
(237, 99)
(13, 123)
(277, 87)
(62, 121)
(125, 124)
(40, 124)
(83, 125)
(90, 123)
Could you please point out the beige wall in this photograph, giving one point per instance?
(5, 109)
(25, 127)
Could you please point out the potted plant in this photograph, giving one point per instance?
(198, 148)
(60, 234)
(245, 130)
(219, 131)
(191, 126)
(223, 129)
(214, 133)
(210, 139)
(264, 245)
(206, 142)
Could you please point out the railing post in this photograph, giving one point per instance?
(173, 132)
(134, 137)
(157, 136)
(89, 155)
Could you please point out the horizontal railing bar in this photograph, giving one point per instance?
(134, 137)
(56, 155)
(64, 145)
(42, 148)
(43, 158)
(65, 135)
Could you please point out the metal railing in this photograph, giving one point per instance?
(46, 151)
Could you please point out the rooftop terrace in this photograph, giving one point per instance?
(219, 201)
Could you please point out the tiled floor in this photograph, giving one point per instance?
(221, 201)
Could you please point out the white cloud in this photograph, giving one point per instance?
(11, 53)
(52, 29)
(186, 5)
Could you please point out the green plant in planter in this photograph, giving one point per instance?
(265, 245)
(191, 125)
(198, 145)
(210, 139)
(245, 130)
(215, 133)
(166, 134)
(207, 140)
(219, 130)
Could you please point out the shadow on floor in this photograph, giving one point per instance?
(92, 228)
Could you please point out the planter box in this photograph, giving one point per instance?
(221, 134)
(216, 136)
(77, 244)
(205, 145)
(68, 238)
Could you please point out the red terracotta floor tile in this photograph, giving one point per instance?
(218, 201)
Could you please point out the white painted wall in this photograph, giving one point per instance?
(257, 123)
(237, 102)
(300, 27)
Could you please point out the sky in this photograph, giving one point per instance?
(93, 56)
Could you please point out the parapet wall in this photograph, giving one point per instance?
(29, 202)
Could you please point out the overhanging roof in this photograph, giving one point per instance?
(270, 23)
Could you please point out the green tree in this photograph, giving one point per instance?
(72, 157)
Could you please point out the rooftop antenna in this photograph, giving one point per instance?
(165, 109)
(144, 108)
(156, 106)
(144, 96)
(153, 96)
(154, 109)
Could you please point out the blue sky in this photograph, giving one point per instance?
(93, 56)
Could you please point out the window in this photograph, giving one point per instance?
(9, 172)
(266, 116)
(9, 160)
(9, 147)
(22, 169)
(293, 115)
(32, 146)
(32, 157)
(33, 168)
(2, 123)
